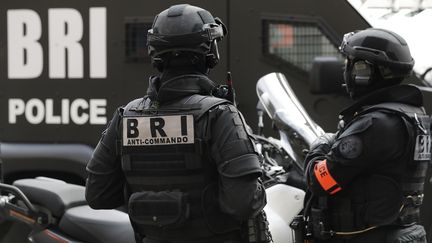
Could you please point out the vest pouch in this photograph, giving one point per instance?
(217, 221)
(383, 200)
(320, 223)
(159, 209)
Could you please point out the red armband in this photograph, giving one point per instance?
(323, 176)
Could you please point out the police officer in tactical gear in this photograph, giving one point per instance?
(180, 159)
(365, 183)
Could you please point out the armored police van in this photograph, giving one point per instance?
(65, 66)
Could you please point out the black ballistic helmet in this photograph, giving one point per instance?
(375, 58)
(185, 32)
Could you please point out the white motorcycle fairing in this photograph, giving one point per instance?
(297, 132)
(284, 202)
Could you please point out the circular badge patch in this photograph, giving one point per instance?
(350, 147)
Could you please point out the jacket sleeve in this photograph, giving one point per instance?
(241, 193)
(372, 141)
(105, 180)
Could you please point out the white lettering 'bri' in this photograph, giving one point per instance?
(158, 130)
(422, 149)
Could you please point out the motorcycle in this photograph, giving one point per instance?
(284, 156)
(56, 211)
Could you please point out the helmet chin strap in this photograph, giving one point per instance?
(348, 85)
(350, 91)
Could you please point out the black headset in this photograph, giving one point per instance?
(361, 73)
(358, 75)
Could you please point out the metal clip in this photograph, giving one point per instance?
(419, 125)
(416, 200)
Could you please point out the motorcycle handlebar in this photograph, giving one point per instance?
(20, 195)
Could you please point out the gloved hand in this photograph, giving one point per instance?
(323, 144)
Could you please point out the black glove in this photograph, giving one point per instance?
(323, 144)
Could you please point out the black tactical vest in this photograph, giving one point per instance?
(171, 181)
(377, 199)
(416, 157)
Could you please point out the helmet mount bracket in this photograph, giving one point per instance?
(185, 29)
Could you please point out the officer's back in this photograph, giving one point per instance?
(179, 158)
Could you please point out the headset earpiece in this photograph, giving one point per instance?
(362, 73)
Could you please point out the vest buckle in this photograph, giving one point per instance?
(415, 200)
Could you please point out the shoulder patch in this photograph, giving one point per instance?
(350, 147)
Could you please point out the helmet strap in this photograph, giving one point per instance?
(158, 63)
(212, 58)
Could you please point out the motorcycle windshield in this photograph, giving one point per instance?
(297, 129)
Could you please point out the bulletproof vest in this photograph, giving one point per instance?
(171, 182)
(377, 199)
(416, 158)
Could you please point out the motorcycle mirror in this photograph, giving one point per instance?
(326, 75)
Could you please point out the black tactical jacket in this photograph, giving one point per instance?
(367, 169)
(239, 193)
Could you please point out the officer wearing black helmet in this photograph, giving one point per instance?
(180, 159)
(365, 183)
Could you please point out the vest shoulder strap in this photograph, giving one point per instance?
(206, 103)
(409, 112)
(197, 104)
(136, 105)
(400, 107)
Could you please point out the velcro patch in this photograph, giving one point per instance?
(158, 130)
(350, 147)
(422, 150)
